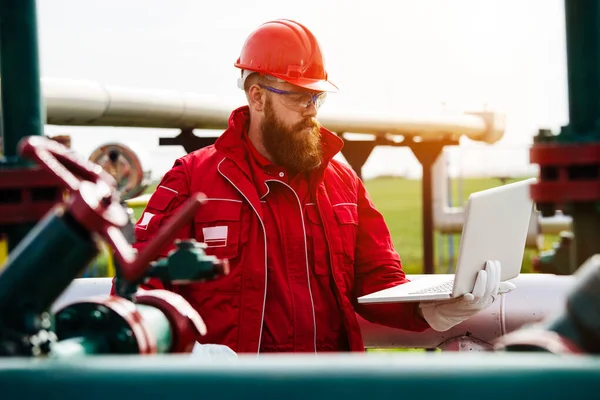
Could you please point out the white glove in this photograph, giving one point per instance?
(212, 351)
(443, 315)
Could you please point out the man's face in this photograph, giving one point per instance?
(290, 137)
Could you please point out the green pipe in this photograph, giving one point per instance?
(22, 111)
(79, 347)
(159, 325)
(583, 62)
(41, 266)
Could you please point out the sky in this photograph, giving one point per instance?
(385, 56)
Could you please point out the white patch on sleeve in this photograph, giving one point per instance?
(146, 218)
(215, 236)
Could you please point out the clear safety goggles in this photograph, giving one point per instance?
(298, 101)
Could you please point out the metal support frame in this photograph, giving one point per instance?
(427, 153)
(188, 140)
(357, 152)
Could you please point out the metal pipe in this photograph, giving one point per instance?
(427, 215)
(537, 297)
(20, 92)
(28, 284)
(19, 68)
(79, 347)
(76, 103)
(555, 224)
(583, 65)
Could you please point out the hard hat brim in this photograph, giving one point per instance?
(319, 85)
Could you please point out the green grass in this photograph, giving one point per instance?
(399, 200)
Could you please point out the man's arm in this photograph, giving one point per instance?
(170, 194)
(377, 266)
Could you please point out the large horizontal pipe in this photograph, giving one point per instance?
(537, 296)
(72, 102)
(448, 376)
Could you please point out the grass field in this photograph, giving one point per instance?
(399, 200)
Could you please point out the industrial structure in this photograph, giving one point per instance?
(57, 332)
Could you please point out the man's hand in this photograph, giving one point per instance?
(443, 315)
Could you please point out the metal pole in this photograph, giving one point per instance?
(22, 112)
(583, 62)
(450, 266)
(427, 214)
(427, 153)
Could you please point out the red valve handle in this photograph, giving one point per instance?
(133, 268)
(57, 159)
(93, 205)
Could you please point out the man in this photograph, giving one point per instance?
(301, 234)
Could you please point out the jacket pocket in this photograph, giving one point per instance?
(316, 241)
(347, 217)
(218, 223)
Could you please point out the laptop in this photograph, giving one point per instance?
(495, 228)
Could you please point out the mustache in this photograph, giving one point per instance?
(309, 123)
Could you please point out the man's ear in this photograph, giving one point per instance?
(256, 98)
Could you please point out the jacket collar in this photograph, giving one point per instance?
(235, 167)
(231, 142)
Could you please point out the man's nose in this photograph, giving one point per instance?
(311, 111)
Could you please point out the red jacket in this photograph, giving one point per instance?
(361, 254)
(299, 278)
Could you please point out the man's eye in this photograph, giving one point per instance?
(299, 98)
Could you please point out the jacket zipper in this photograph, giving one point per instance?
(312, 303)
(262, 321)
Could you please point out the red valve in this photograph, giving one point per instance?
(94, 205)
(186, 323)
(57, 159)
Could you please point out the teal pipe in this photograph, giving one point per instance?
(22, 110)
(88, 328)
(39, 269)
(22, 107)
(158, 323)
(583, 63)
(299, 377)
(79, 347)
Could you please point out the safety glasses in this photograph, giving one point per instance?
(297, 100)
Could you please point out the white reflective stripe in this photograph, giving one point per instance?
(310, 204)
(217, 199)
(268, 190)
(312, 303)
(262, 321)
(345, 204)
(168, 188)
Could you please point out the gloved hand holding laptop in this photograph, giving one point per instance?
(443, 315)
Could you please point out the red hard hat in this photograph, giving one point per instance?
(286, 50)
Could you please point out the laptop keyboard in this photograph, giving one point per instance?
(441, 288)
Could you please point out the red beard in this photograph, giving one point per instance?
(295, 148)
